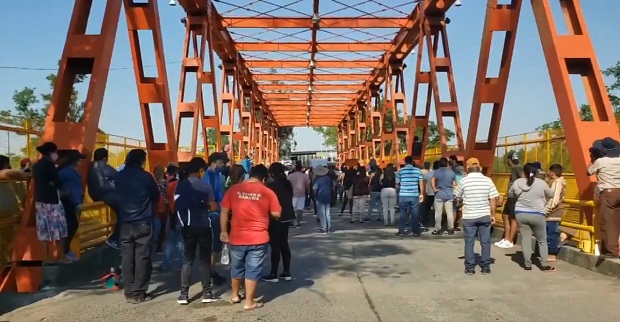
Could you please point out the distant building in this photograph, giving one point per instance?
(306, 156)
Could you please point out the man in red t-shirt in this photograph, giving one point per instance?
(252, 203)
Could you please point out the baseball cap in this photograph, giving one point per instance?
(512, 155)
(472, 162)
(24, 162)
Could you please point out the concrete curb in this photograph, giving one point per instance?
(58, 278)
(94, 262)
(574, 256)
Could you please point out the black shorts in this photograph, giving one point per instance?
(509, 207)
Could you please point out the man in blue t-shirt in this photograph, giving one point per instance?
(214, 178)
(443, 183)
(410, 184)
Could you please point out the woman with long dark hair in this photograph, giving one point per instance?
(531, 194)
(278, 228)
(388, 195)
(72, 195)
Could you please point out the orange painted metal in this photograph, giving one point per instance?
(434, 33)
(83, 54)
(306, 47)
(305, 77)
(251, 104)
(328, 22)
(573, 54)
(305, 63)
(492, 90)
(198, 60)
(152, 91)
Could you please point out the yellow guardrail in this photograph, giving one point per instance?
(96, 221)
(584, 234)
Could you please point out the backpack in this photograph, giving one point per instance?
(186, 202)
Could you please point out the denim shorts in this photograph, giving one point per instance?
(246, 262)
(216, 230)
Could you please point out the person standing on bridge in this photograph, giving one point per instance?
(213, 177)
(194, 201)
(301, 185)
(101, 187)
(50, 214)
(138, 194)
(443, 182)
(511, 226)
(531, 194)
(252, 204)
(605, 165)
(479, 196)
(411, 193)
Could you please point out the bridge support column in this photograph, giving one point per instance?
(152, 91)
(228, 105)
(433, 36)
(83, 54)
(197, 48)
(491, 91)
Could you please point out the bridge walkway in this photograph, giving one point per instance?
(365, 273)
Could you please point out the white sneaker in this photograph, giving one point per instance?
(506, 244)
(499, 242)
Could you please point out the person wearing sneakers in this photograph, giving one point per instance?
(479, 196)
(193, 201)
(511, 226)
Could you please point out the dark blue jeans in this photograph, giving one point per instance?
(409, 204)
(481, 228)
(553, 237)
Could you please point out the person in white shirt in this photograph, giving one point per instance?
(479, 196)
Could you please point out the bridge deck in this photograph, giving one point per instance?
(365, 273)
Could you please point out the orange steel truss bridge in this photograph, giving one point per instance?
(313, 82)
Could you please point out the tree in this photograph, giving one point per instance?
(26, 109)
(557, 147)
(584, 110)
(330, 133)
(28, 113)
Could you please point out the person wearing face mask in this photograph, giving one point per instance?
(213, 177)
(50, 214)
(138, 194)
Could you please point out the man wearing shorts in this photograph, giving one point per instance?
(252, 203)
(212, 177)
(511, 227)
(301, 185)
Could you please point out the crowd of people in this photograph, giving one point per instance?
(236, 213)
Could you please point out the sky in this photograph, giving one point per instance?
(33, 34)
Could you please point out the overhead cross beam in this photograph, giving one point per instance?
(331, 22)
(307, 47)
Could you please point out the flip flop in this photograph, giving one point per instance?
(257, 305)
(238, 299)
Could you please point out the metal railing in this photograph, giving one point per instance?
(19, 141)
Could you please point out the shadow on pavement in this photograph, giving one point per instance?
(351, 249)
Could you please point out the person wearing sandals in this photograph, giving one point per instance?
(252, 204)
(531, 194)
(50, 214)
(555, 210)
